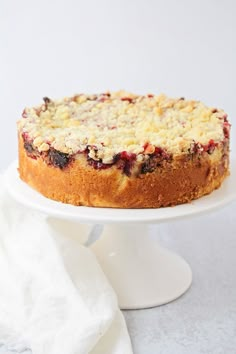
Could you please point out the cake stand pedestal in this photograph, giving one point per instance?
(142, 273)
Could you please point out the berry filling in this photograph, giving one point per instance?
(28, 147)
(125, 161)
(157, 156)
(51, 157)
(197, 148)
(58, 159)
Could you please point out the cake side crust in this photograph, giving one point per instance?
(181, 180)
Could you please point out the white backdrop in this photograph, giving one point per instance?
(57, 48)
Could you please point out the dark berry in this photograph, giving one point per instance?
(125, 161)
(46, 100)
(28, 147)
(46, 103)
(58, 158)
(147, 166)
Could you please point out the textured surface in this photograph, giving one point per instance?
(203, 321)
(110, 123)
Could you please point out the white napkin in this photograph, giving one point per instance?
(54, 297)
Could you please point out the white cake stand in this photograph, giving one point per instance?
(142, 273)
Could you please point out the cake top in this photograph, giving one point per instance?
(111, 123)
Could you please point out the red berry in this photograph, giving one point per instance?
(129, 99)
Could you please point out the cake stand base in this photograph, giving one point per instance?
(142, 273)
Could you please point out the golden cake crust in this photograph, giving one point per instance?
(180, 180)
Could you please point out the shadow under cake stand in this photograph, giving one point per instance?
(142, 273)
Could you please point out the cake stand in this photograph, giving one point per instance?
(142, 273)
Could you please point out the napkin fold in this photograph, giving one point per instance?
(54, 296)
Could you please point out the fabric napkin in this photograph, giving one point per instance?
(54, 297)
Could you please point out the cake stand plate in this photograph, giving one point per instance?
(142, 273)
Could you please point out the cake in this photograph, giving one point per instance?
(122, 150)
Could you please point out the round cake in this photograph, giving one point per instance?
(122, 150)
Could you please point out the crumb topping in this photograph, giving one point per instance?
(112, 123)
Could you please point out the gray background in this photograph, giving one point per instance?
(203, 320)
